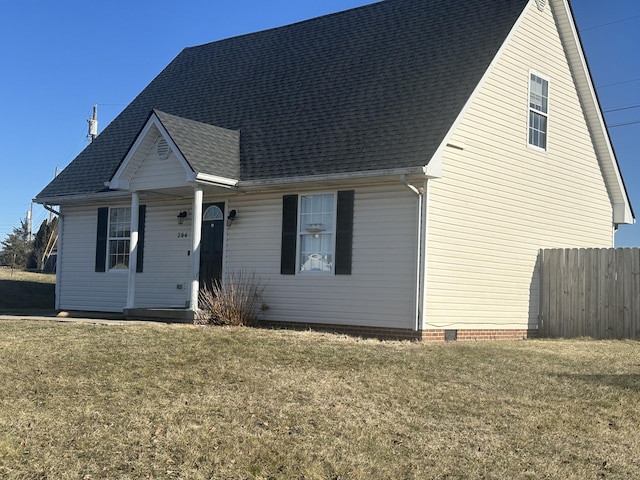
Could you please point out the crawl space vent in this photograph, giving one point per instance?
(450, 335)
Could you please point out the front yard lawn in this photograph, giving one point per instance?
(28, 292)
(83, 401)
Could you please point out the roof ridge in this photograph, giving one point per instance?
(288, 25)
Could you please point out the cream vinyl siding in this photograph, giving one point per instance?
(499, 201)
(80, 287)
(380, 292)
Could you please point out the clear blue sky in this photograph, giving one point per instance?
(59, 58)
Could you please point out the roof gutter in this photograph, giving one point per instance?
(52, 210)
(420, 171)
(87, 197)
(215, 180)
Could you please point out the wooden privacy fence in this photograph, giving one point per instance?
(592, 292)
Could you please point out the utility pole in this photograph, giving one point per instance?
(93, 124)
(30, 222)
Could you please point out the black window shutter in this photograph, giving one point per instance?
(289, 234)
(101, 239)
(344, 232)
(142, 214)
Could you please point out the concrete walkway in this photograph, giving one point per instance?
(86, 317)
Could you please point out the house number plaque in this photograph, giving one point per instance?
(182, 234)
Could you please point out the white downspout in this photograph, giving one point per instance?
(133, 250)
(196, 236)
(421, 221)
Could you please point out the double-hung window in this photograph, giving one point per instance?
(113, 238)
(119, 237)
(538, 111)
(317, 233)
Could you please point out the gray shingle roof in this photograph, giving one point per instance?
(372, 88)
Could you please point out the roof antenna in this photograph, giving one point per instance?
(93, 124)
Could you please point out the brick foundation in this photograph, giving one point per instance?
(435, 335)
(467, 335)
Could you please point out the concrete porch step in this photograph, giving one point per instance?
(170, 315)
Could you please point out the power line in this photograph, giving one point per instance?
(619, 83)
(628, 107)
(610, 23)
(634, 122)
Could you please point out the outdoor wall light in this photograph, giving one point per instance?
(231, 217)
(181, 216)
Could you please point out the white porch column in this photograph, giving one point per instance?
(196, 236)
(59, 258)
(133, 250)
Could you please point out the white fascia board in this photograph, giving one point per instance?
(447, 138)
(117, 178)
(215, 179)
(189, 172)
(622, 211)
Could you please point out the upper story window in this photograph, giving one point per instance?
(316, 231)
(538, 111)
(119, 237)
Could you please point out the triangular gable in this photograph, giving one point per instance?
(171, 152)
(622, 210)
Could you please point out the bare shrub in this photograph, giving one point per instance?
(236, 300)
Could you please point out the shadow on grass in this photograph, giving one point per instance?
(627, 381)
(16, 295)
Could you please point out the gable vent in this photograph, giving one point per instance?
(162, 149)
(541, 4)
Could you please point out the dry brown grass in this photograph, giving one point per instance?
(157, 401)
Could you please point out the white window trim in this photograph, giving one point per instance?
(299, 233)
(529, 109)
(110, 238)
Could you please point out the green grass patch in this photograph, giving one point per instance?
(26, 291)
(159, 401)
